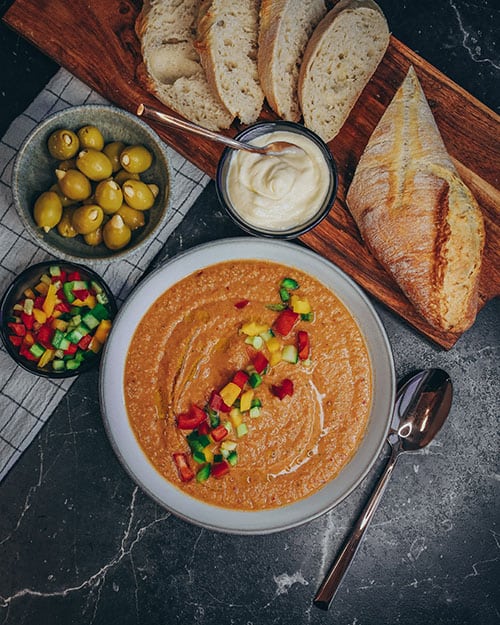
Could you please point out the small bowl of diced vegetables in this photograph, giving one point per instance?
(55, 318)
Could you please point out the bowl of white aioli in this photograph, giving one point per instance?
(282, 195)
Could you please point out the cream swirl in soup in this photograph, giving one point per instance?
(282, 191)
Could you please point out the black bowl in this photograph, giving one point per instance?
(252, 132)
(27, 279)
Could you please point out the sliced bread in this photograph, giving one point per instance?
(285, 28)
(227, 33)
(343, 52)
(416, 214)
(171, 66)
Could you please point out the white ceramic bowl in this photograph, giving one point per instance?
(122, 436)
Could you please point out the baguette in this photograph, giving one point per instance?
(415, 213)
(226, 41)
(344, 51)
(171, 66)
(285, 28)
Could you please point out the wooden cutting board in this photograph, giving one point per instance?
(95, 40)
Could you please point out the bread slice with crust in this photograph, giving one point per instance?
(416, 214)
(171, 66)
(284, 30)
(343, 52)
(226, 40)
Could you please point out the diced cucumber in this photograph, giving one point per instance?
(75, 336)
(203, 474)
(290, 354)
(241, 430)
(55, 270)
(255, 380)
(290, 284)
(57, 339)
(233, 458)
(199, 457)
(254, 412)
(96, 287)
(102, 298)
(72, 364)
(58, 365)
(68, 291)
(80, 285)
(228, 445)
(90, 321)
(218, 458)
(37, 350)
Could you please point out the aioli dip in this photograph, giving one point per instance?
(279, 192)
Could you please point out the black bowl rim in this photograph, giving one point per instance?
(119, 254)
(297, 231)
(6, 305)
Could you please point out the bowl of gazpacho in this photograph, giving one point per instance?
(247, 385)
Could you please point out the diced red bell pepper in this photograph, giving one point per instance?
(85, 341)
(25, 352)
(71, 349)
(61, 277)
(18, 328)
(28, 320)
(15, 340)
(63, 307)
(81, 294)
(283, 389)
(217, 403)
(285, 321)
(219, 469)
(242, 303)
(204, 428)
(185, 472)
(260, 362)
(192, 419)
(44, 336)
(303, 344)
(74, 275)
(38, 302)
(219, 433)
(240, 378)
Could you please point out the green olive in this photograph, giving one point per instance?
(65, 225)
(65, 201)
(68, 164)
(74, 184)
(109, 196)
(136, 159)
(116, 233)
(138, 195)
(63, 144)
(123, 175)
(155, 189)
(93, 238)
(48, 210)
(91, 137)
(94, 164)
(132, 218)
(113, 151)
(87, 218)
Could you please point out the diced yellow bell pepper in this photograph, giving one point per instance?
(235, 416)
(246, 400)
(230, 393)
(300, 306)
(60, 324)
(95, 345)
(29, 339)
(39, 315)
(274, 344)
(29, 293)
(46, 357)
(275, 358)
(42, 288)
(253, 328)
(50, 299)
(209, 454)
(89, 301)
(101, 334)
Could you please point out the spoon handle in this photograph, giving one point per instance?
(146, 111)
(339, 568)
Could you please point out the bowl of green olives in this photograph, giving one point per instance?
(92, 182)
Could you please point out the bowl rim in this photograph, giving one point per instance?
(6, 304)
(71, 110)
(271, 126)
(138, 466)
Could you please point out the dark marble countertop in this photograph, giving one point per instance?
(80, 543)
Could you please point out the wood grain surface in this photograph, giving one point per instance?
(96, 41)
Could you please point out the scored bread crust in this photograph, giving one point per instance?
(341, 56)
(284, 30)
(415, 213)
(171, 68)
(226, 41)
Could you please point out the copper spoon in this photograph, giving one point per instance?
(271, 149)
(421, 407)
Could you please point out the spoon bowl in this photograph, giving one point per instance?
(421, 407)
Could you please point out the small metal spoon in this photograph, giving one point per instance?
(271, 149)
(421, 407)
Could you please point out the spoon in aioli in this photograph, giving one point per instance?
(421, 407)
(276, 148)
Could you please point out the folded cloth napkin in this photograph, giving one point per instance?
(27, 401)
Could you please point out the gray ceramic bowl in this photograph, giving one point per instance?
(34, 173)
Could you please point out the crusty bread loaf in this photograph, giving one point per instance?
(343, 52)
(171, 65)
(226, 40)
(416, 214)
(284, 30)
